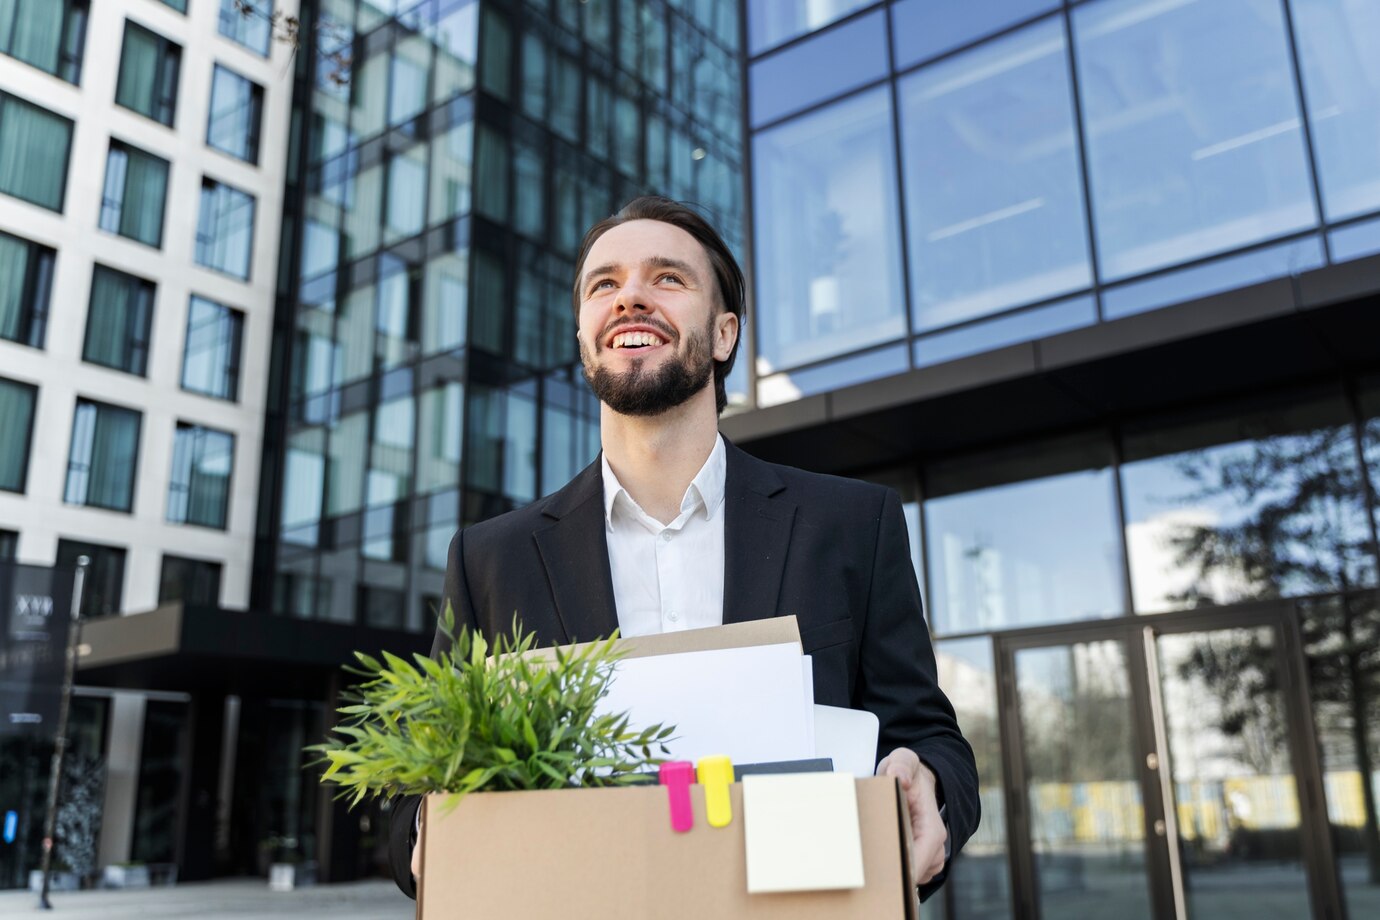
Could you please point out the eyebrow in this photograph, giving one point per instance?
(610, 268)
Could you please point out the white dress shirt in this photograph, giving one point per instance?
(668, 577)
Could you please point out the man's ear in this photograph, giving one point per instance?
(725, 335)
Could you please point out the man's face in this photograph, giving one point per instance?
(649, 327)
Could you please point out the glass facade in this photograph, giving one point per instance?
(16, 419)
(26, 285)
(211, 354)
(955, 177)
(237, 105)
(105, 576)
(149, 70)
(49, 34)
(136, 186)
(191, 581)
(248, 22)
(429, 376)
(104, 456)
(34, 144)
(199, 489)
(118, 321)
(225, 229)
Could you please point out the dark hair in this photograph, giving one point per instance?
(732, 287)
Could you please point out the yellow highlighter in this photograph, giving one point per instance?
(715, 774)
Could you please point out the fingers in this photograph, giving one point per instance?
(417, 850)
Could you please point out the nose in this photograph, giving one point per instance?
(632, 297)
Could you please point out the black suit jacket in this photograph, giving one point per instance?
(831, 551)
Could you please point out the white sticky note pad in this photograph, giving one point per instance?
(802, 832)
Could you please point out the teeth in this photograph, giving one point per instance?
(633, 339)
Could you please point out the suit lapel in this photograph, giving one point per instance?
(575, 553)
(757, 533)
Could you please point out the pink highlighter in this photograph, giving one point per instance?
(676, 776)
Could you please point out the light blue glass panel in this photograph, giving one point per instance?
(1339, 53)
(828, 243)
(249, 22)
(825, 66)
(771, 22)
(1213, 277)
(1279, 516)
(16, 417)
(782, 388)
(225, 229)
(1194, 139)
(1353, 242)
(1035, 323)
(994, 197)
(1044, 551)
(924, 28)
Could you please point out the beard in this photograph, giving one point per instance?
(637, 391)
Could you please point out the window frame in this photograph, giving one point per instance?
(134, 477)
(197, 432)
(28, 439)
(237, 320)
(34, 322)
(7, 99)
(118, 209)
(256, 97)
(140, 340)
(163, 97)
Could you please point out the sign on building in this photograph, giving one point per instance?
(35, 615)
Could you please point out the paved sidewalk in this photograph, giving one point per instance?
(234, 899)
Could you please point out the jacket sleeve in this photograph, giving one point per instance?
(402, 832)
(898, 681)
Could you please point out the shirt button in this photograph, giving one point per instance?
(666, 536)
(673, 617)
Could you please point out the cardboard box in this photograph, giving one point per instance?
(610, 854)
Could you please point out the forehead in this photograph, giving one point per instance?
(637, 241)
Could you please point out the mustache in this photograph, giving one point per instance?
(658, 324)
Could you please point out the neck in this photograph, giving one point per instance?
(656, 457)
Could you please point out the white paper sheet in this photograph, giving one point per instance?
(849, 736)
(802, 833)
(747, 703)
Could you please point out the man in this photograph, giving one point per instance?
(675, 528)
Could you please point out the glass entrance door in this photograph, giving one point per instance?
(1162, 769)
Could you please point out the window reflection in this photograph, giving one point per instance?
(828, 261)
(993, 195)
(979, 885)
(819, 68)
(1193, 133)
(1273, 516)
(924, 28)
(1339, 55)
(771, 22)
(1029, 553)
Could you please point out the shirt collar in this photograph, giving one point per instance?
(705, 492)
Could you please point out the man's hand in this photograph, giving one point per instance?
(927, 830)
(417, 850)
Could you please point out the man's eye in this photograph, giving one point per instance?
(600, 285)
(671, 277)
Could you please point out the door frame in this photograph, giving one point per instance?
(1138, 635)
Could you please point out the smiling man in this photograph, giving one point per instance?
(674, 528)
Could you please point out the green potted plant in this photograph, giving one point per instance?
(481, 718)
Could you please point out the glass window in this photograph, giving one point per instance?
(1339, 55)
(136, 186)
(16, 420)
(237, 105)
(34, 144)
(979, 884)
(191, 581)
(26, 284)
(148, 74)
(921, 29)
(1193, 133)
(304, 474)
(1009, 329)
(248, 22)
(502, 446)
(824, 66)
(871, 365)
(9, 546)
(440, 437)
(1355, 240)
(828, 237)
(225, 228)
(118, 321)
(452, 159)
(408, 69)
(49, 34)
(457, 38)
(199, 490)
(495, 71)
(771, 22)
(1246, 508)
(211, 359)
(105, 576)
(1023, 553)
(406, 212)
(994, 197)
(1370, 441)
(348, 452)
(179, 5)
(104, 456)
(446, 295)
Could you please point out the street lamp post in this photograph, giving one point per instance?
(60, 745)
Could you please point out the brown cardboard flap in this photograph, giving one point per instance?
(610, 854)
(769, 631)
